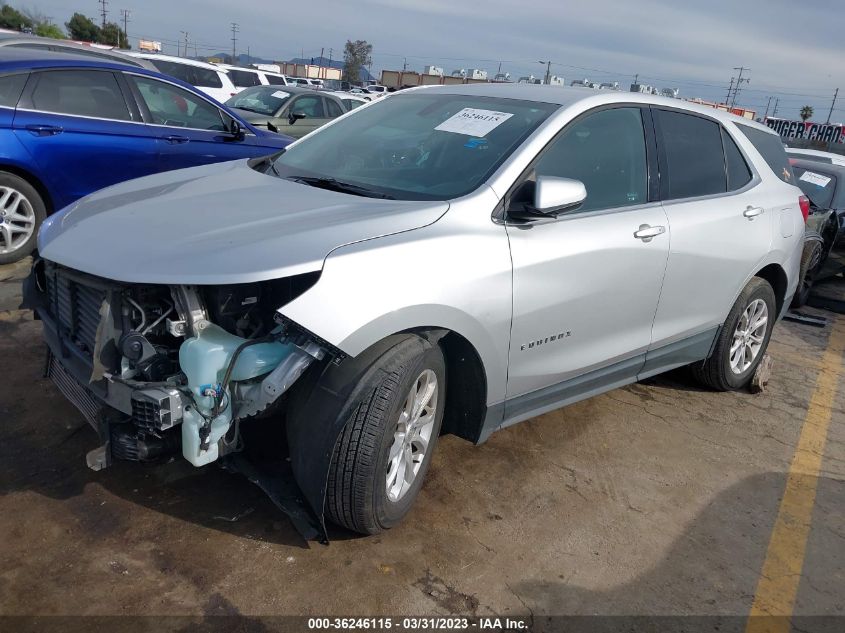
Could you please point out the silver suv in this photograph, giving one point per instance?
(446, 260)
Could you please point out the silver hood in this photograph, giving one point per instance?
(217, 224)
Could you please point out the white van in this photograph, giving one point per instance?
(211, 79)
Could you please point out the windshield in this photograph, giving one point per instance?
(264, 100)
(816, 186)
(417, 146)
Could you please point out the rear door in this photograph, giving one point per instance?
(189, 129)
(721, 220)
(82, 132)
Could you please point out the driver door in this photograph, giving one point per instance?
(189, 130)
(586, 283)
(314, 109)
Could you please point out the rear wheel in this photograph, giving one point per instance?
(742, 341)
(384, 451)
(21, 213)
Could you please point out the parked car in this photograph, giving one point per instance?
(377, 90)
(288, 110)
(816, 155)
(350, 101)
(519, 260)
(823, 185)
(99, 51)
(248, 77)
(72, 124)
(210, 79)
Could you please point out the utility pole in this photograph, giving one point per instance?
(103, 11)
(830, 114)
(322, 52)
(768, 103)
(235, 29)
(404, 64)
(179, 48)
(739, 81)
(125, 13)
(730, 90)
(775, 111)
(548, 64)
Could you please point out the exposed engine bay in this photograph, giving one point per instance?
(154, 367)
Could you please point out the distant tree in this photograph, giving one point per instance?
(82, 28)
(806, 112)
(356, 54)
(50, 30)
(113, 35)
(11, 18)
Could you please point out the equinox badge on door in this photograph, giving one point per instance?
(543, 341)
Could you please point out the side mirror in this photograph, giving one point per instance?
(295, 116)
(236, 130)
(551, 197)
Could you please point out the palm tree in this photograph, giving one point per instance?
(806, 112)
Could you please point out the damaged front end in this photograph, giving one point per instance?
(156, 369)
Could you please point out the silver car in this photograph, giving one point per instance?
(448, 260)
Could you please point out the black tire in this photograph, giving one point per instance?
(27, 191)
(715, 371)
(356, 495)
(811, 259)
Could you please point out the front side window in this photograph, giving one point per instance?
(173, 106)
(692, 161)
(11, 87)
(311, 106)
(333, 108)
(262, 100)
(81, 93)
(416, 146)
(606, 151)
(351, 104)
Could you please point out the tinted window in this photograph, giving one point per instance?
(333, 108)
(692, 162)
(275, 80)
(605, 151)
(193, 75)
(310, 106)
(771, 149)
(737, 169)
(817, 186)
(11, 87)
(173, 106)
(244, 78)
(81, 93)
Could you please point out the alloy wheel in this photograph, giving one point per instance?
(412, 435)
(748, 336)
(17, 219)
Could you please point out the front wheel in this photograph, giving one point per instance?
(384, 451)
(742, 341)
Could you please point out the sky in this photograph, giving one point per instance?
(794, 50)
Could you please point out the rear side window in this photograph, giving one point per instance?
(244, 78)
(81, 93)
(737, 169)
(275, 80)
(771, 149)
(194, 75)
(11, 87)
(692, 162)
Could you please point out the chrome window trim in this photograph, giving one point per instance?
(79, 116)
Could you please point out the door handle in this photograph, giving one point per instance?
(646, 232)
(44, 130)
(752, 212)
(174, 139)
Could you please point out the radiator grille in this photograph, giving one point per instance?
(81, 398)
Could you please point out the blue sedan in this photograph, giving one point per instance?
(71, 124)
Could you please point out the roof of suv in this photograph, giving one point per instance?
(568, 95)
(179, 60)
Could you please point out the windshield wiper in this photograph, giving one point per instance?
(333, 184)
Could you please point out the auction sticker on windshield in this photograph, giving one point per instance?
(814, 178)
(281, 94)
(474, 122)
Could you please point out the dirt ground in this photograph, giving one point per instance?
(657, 499)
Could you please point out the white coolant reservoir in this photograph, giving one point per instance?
(204, 359)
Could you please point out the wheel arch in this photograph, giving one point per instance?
(776, 276)
(35, 182)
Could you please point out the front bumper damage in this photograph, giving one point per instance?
(222, 380)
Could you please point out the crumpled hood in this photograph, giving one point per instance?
(217, 224)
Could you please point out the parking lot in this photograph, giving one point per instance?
(659, 498)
